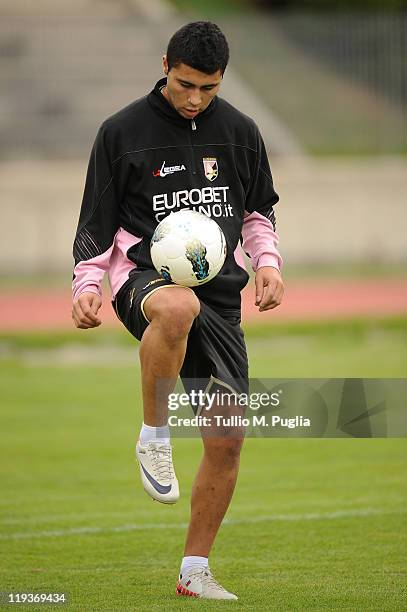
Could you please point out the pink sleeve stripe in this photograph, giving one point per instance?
(120, 264)
(88, 275)
(260, 241)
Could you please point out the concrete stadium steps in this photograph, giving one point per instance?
(61, 77)
(65, 67)
(63, 8)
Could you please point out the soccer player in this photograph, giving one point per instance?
(180, 147)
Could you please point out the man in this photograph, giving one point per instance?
(180, 147)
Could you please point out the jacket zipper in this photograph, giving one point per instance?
(193, 129)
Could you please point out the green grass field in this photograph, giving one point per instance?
(314, 524)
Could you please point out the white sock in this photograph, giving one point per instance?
(188, 562)
(154, 434)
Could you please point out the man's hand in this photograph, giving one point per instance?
(269, 288)
(85, 309)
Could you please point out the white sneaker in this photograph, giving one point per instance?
(199, 582)
(157, 471)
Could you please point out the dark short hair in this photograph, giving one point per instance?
(201, 45)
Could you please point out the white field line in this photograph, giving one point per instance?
(312, 516)
(55, 518)
(37, 519)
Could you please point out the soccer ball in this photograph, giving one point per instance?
(188, 248)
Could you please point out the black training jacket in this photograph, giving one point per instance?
(148, 161)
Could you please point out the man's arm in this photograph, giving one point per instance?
(260, 243)
(259, 236)
(94, 240)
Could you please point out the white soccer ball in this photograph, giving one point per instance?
(188, 248)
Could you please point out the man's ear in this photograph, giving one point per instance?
(165, 64)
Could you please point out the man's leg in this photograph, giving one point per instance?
(211, 493)
(171, 312)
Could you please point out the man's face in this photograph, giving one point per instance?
(188, 90)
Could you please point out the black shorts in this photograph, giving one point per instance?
(216, 351)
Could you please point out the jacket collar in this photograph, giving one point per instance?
(161, 105)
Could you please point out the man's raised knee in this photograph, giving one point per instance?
(174, 310)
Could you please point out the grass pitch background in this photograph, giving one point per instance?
(314, 524)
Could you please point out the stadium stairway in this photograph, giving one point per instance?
(66, 66)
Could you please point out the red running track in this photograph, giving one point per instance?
(303, 301)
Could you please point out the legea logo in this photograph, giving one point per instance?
(165, 170)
